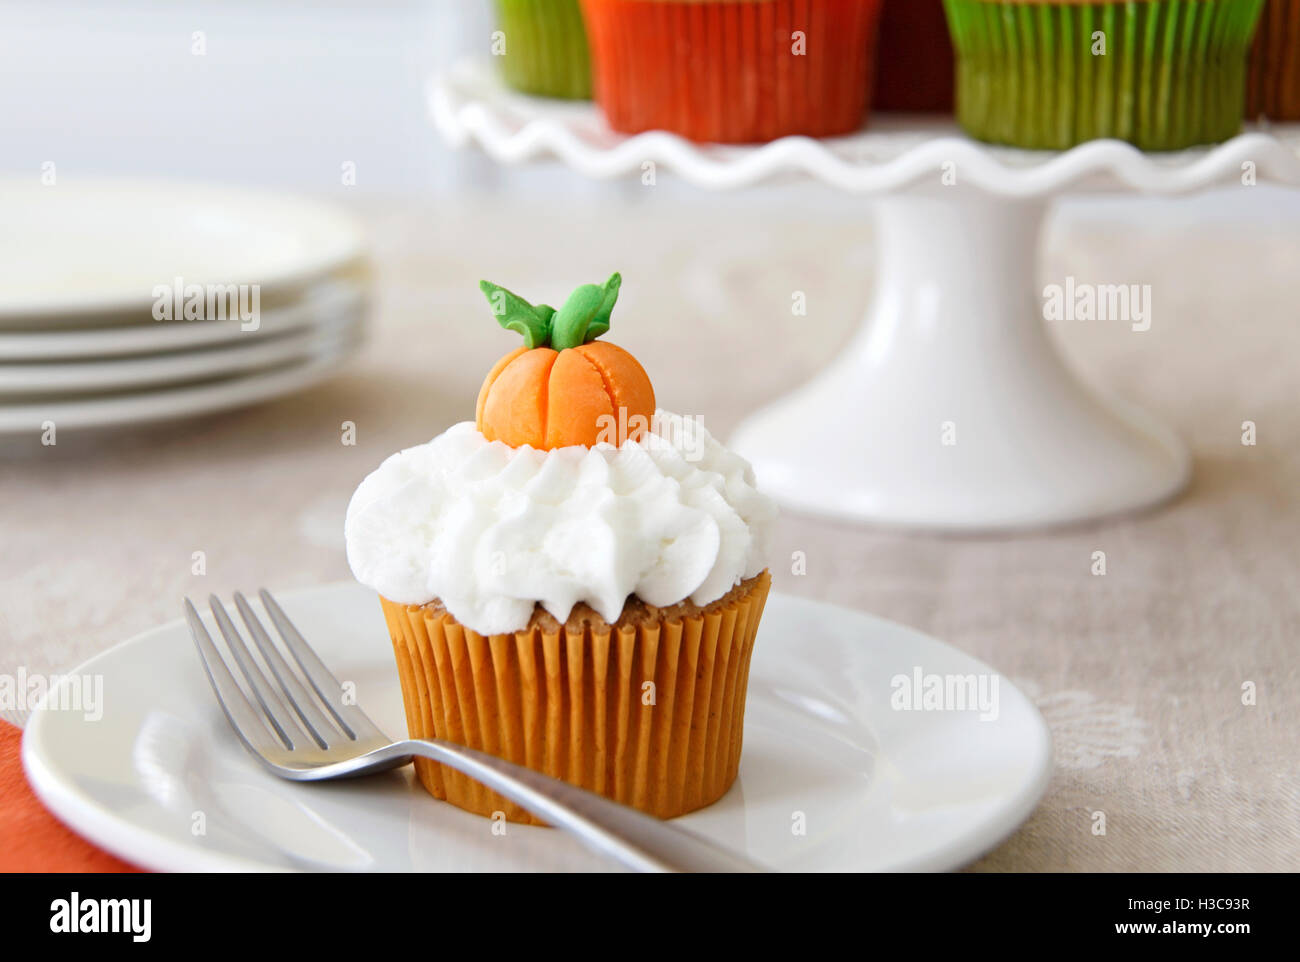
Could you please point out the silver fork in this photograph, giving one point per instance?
(303, 738)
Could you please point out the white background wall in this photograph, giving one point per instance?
(285, 93)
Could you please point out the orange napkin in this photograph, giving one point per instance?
(31, 839)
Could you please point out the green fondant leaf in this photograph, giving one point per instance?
(569, 328)
(600, 323)
(516, 314)
(583, 317)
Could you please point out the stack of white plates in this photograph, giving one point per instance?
(128, 301)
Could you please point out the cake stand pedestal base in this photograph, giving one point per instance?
(951, 408)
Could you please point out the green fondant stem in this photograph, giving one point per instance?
(583, 317)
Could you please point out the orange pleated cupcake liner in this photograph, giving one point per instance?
(1273, 83)
(575, 702)
(728, 71)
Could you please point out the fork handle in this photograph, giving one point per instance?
(636, 840)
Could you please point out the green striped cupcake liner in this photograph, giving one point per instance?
(1032, 74)
(545, 48)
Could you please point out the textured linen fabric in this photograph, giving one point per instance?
(1139, 672)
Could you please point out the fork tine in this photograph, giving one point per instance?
(277, 714)
(353, 720)
(239, 712)
(300, 700)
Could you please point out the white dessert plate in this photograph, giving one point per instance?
(19, 380)
(76, 250)
(318, 304)
(832, 777)
(165, 404)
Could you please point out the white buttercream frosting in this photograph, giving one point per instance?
(491, 530)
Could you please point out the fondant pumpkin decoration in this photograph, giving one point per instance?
(563, 387)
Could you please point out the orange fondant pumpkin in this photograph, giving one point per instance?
(563, 387)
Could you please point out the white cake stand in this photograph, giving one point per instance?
(950, 408)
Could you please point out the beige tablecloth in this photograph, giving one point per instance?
(1139, 673)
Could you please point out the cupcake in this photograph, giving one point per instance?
(573, 580)
(1161, 74)
(1273, 82)
(914, 59)
(736, 71)
(543, 48)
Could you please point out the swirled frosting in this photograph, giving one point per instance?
(492, 530)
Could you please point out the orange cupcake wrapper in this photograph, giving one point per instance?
(726, 70)
(575, 704)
